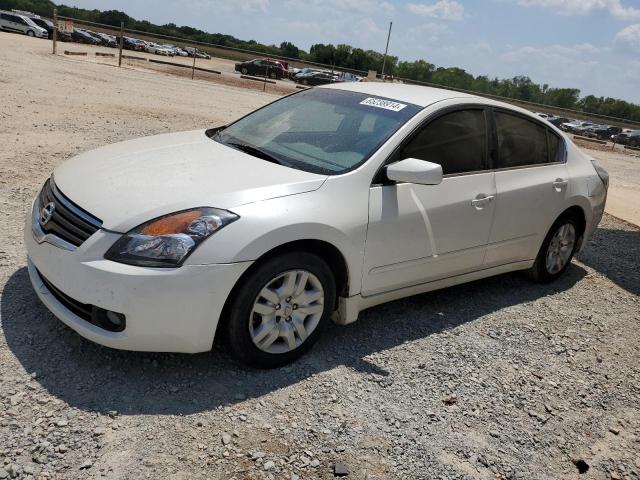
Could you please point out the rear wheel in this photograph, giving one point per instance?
(244, 70)
(556, 251)
(280, 310)
(273, 75)
(634, 143)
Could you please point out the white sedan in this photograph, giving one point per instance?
(159, 50)
(317, 206)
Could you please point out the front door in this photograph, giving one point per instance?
(421, 233)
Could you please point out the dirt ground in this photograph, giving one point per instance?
(498, 379)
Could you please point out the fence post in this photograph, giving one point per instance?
(121, 43)
(266, 74)
(55, 29)
(193, 68)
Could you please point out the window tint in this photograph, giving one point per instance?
(520, 141)
(456, 141)
(556, 154)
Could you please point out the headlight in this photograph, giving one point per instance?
(167, 241)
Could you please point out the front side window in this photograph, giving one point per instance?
(325, 131)
(457, 141)
(521, 142)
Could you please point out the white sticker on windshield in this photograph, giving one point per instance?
(380, 103)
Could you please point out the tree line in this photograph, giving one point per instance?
(348, 57)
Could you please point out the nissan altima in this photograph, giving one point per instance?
(315, 207)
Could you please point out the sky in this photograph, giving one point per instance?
(593, 45)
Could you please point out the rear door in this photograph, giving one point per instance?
(532, 183)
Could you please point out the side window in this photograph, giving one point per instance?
(521, 142)
(556, 152)
(457, 141)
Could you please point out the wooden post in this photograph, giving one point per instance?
(266, 74)
(193, 68)
(55, 29)
(121, 43)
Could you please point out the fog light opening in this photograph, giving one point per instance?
(112, 321)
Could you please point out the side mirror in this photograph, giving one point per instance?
(412, 170)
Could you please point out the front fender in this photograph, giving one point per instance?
(323, 215)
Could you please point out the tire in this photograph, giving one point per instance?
(276, 330)
(634, 143)
(542, 270)
(273, 75)
(305, 82)
(244, 70)
(31, 33)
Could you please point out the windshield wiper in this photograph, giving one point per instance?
(256, 152)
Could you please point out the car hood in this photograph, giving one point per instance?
(129, 183)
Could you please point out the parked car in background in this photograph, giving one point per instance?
(294, 72)
(576, 126)
(602, 132)
(159, 49)
(628, 137)
(80, 36)
(42, 22)
(16, 23)
(176, 50)
(262, 67)
(194, 52)
(268, 256)
(557, 121)
(129, 43)
(348, 77)
(315, 78)
(108, 40)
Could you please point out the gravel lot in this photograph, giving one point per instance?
(500, 378)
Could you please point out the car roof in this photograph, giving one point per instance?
(416, 94)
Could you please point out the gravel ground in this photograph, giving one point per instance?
(499, 378)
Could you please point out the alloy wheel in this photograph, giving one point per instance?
(560, 248)
(286, 311)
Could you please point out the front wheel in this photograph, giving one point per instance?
(31, 33)
(280, 310)
(556, 251)
(244, 70)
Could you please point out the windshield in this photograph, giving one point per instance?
(326, 131)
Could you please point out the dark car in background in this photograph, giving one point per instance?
(557, 121)
(315, 78)
(80, 36)
(263, 68)
(602, 132)
(628, 137)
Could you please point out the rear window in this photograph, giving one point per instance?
(521, 142)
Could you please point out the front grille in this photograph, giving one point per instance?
(68, 221)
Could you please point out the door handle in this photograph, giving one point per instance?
(481, 200)
(559, 184)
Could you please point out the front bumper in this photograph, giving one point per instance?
(166, 310)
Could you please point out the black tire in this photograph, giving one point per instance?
(273, 75)
(539, 272)
(244, 70)
(31, 33)
(237, 330)
(634, 143)
(305, 82)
